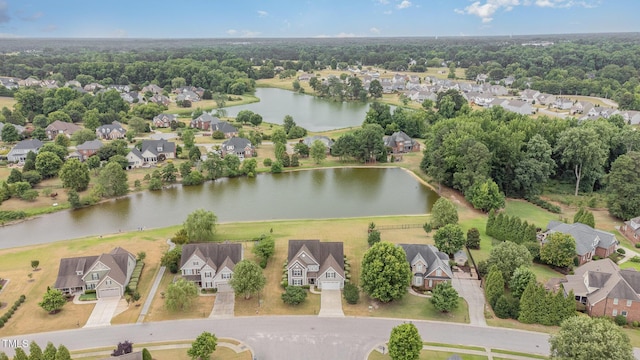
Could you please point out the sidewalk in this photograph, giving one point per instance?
(154, 288)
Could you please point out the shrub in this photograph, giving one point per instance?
(620, 320)
(263, 263)
(635, 259)
(621, 251)
(294, 295)
(351, 293)
(637, 245)
(1, 323)
(267, 162)
(543, 204)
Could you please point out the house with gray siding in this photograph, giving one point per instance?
(210, 265)
(316, 263)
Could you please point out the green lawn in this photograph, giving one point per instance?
(430, 355)
(630, 265)
(529, 212)
(414, 307)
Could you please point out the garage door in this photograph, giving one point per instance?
(330, 285)
(102, 293)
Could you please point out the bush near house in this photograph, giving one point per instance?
(7, 315)
(135, 277)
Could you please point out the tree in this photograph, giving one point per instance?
(385, 273)
(449, 239)
(508, 256)
(171, 259)
(188, 137)
(35, 264)
(485, 196)
(195, 154)
(586, 338)
(293, 295)
(10, 133)
(375, 89)
(249, 167)
(113, 180)
(146, 355)
(264, 248)
(14, 177)
(48, 164)
(558, 250)
(247, 279)
(373, 237)
(244, 116)
(582, 149)
(276, 167)
(83, 135)
(520, 280)
(443, 213)
(533, 171)
(74, 175)
(623, 188)
(62, 140)
(279, 136)
(493, 285)
(63, 353)
(586, 217)
(318, 151)
(52, 301)
(255, 119)
(351, 293)
(93, 162)
(20, 354)
(35, 352)
(445, 297)
(4, 356)
(49, 352)
(120, 160)
(301, 149)
(204, 345)
(405, 342)
(180, 295)
(137, 124)
(200, 225)
(473, 238)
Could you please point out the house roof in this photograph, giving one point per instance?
(28, 144)
(237, 143)
(63, 126)
(434, 257)
(326, 254)
(116, 260)
(602, 279)
(90, 145)
(134, 151)
(213, 254)
(587, 238)
(309, 140)
(224, 127)
(20, 128)
(396, 137)
(110, 127)
(154, 145)
(163, 117)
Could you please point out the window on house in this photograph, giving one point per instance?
(297, 282)
(95, 276)
(629, 302)
(419, 267)
(331, 274)
(226, 276)
(615, 312)
(207, 274)
(297, 272)
(439, 272)
(615, 301)
(624, 313)
(107, 282)
(195, 263)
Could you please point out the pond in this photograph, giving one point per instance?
(310, 112)
(308, 194)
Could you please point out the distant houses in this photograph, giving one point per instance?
(111, 132)
(19, 152)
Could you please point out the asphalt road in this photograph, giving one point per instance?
(280, 337)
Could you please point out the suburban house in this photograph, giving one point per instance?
(88, 148)
(164, 120)
(60, 127)
(21, 149)
(152, 88)
(19, 128)
(224, 127)
(631, 229)
(399, 142)
(160, 100)
(328, 143)
(605, 289)
(590, 242)
(108, 274)
(429, 265)
(311, 262)
(210, 265)
(563, 103)
(546, 99)
(204, 122)
(516, 106)
(188, 95)
(151, 152)
(529, 95)
(111, 131)
(238, 146)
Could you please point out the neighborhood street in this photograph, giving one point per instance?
(282, 336)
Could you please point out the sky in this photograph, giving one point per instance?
(311, 18)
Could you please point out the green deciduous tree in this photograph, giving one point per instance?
(443, 213)
(485, 196)
(318, 151)
(171, 259)
(293, 295)
(351, 293)
(188, 137)
(623, 186)
(200, 225)
(558, 250)
(247, 279)
(449, 239)
(445, 297)
(48, 164)
(473, 238)
(83, 135)
(373, 237)
(508, 256)
(405, 342)
(520, 280)
(52, 301)
(180, 295)
(204, 345)
(113, 180)
(264, 248)
(586, 338)
(10, 134)
(74, 175)
(581, 149)
(385, 272)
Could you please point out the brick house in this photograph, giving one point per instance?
(88, 148)
(429, 266)
(238, 146)
(631, 230)
(590, 242)
(60, 127)
(111, 131)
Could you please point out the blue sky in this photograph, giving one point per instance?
(312, 18)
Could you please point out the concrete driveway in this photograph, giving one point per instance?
(469, 288)
(224, 304)
(331, 304)
(103, 312)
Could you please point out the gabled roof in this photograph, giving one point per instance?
(602, 279)
(135, 152)
(237, 143)
(327, 254)
(434, 257)
(63, 126)
(309, 140)
(110, 127)
(153, 145)
(213, 254)
(90, 145)
(117, 261)
(587, 238)
(396, 137)
(224, 127)
(28, 144)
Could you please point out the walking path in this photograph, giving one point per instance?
(154, 288)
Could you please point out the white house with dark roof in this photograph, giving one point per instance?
(108, 274)
(429, 265)
(151, 152)
(238, 146)
(19, 152)
(311, 262)
(590, 242)
(210, 265)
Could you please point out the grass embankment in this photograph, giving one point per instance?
(172, 351)
(208, 105)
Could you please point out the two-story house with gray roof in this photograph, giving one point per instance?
(210, 265)
(151, 152)
(605, 289)
(429, 265)
(108, 274)
(111, 131)
(19, 152)
(311, 262)
(238, 146)
(399, 142)
(88, 148)
(631, 229)
(164, 120)
(590, 242)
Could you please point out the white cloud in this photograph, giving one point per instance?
(374, 30)
(232, 32)
(404, 4)
(485, 9)
(32, 17)
(383, 2)
(262, 13)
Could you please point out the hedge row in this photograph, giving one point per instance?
(135, 277)
(12, 310)
(536, 200)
